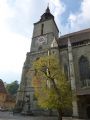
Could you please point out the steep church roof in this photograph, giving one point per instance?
(79, 37)
(47, 15)
(2, 87)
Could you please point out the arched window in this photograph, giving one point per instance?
(84, 71)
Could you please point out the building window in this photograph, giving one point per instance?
(84, 71)
(42, 26)
(66, 71)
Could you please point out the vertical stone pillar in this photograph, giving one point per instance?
(72, 79)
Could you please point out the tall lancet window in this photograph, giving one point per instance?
(84, 70)
(42, 27)
(66, 71)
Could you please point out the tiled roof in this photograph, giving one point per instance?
(2, 87)
(75, 37)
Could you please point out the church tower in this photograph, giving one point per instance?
(45, 30)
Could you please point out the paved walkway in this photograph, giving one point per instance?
(10, 116)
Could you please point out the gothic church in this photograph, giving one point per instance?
(74, 51)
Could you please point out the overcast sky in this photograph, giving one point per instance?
(16, 27)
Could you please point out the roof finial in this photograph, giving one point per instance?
(48, 5)
(48, 10)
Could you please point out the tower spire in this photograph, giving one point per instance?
(48, 10)
(47, 15)
(48, 5)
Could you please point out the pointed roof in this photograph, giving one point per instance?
(47, 15)
(48, 10)
(2, 87)
(54, 43)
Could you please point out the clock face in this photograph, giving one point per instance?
(41, 40)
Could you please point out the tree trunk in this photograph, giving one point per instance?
(50, 112)
(59, 114)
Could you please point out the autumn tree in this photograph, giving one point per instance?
(52, 89)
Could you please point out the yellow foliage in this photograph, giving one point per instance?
(51, 87)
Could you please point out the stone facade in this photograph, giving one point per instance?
(80, 43)
(44, 32)
(74, 52)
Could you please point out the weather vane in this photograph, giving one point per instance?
(48, 4)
